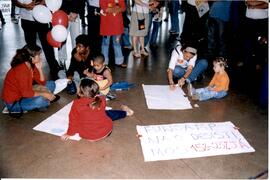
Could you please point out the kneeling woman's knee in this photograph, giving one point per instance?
(203, 63)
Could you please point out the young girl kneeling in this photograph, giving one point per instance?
(88, 116)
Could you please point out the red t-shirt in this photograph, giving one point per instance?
(91, 124)
(111, 24)
(19, 83)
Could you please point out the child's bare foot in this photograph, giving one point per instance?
(129, 111)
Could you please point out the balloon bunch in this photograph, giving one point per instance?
(58, 18)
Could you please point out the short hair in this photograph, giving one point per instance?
(99, 58)
(221, 61)
(83, 39)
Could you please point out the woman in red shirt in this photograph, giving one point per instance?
(88, 116)
(18, 93)
(111, 25)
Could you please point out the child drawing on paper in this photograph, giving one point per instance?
(88, 116)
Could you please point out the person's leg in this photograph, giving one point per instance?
(118, 55)
(220, 94)
(43, 29)
(211, 37)
(116, 114)
(200, 67)
(28, 104)
(74, 29)
(222, 50)
(147, 37)
(30, 31)
(205, 94)
(174, 17)
(125, 39)
(154, 34)
(2, 18)
(105, 48)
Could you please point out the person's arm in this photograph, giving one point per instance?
(251, 4)
(139, 2)
(181, 81)
(171, 67)
(29, 6)
(108, 75)
(223, 84)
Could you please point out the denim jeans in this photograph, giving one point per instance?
(125, 38)
(200, 67)
(28, 104)
(174, 7)
(116, 114)
(147, 37)
(205, 94)
(154, 34)
(119, 58)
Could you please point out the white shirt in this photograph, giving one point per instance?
(178, 59)
(141, 9)
(94, 3)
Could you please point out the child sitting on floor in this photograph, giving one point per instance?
(88, 116)
(219, 85)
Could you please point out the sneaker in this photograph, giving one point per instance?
(129, 111)
(71, 88)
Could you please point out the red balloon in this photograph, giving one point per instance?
(51, 41)
(60, 18)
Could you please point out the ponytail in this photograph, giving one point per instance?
(96, 103)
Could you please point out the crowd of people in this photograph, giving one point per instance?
(133, 25)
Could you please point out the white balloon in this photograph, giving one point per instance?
(53, 5)
(42, 14)
(59, 33)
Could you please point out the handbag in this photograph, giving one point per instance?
(141, 22)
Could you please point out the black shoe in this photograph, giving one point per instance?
(71, 88)
(57, 97)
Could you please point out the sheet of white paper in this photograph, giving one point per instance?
(60, 85)
(161, 97)
(191, 140)
(57, 124)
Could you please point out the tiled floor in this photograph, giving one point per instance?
(25, 153)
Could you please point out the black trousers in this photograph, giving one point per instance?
(94, 29)
(31, 29)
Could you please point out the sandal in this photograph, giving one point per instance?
(136, 54)
(143, 52)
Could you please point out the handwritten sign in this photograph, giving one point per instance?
(190, 140)
(5, 6)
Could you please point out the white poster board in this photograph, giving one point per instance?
(5, 6)
(191, 140)
(57, 124)
(161, 97)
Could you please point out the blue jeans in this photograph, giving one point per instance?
(125, 38)
(199, 68)
(174, 7)
(147, 37)
(205, 94)
(27, 104)
(116, 114)
(119, 58)
(156, 26)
